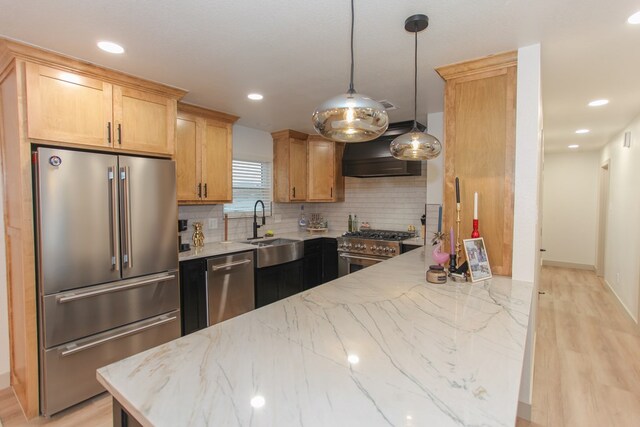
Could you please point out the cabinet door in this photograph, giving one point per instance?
(321, 170)
(188, 160)
(193, 295)
(144, 121)
(312, 263)
(267, 281)
(67, 107)
(298, 169)
(329, 260)
(291, 282)
(216, 162)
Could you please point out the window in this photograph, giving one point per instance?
(251, 181)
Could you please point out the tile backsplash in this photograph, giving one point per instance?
(390, 203)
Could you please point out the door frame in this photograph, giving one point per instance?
(603, 207)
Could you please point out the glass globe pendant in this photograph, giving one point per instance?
(351, 117)
(415, 145)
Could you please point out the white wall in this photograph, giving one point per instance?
(570, 207)
(622, 246)
(4, 313)
(526, 226)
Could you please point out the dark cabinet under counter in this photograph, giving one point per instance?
(278, 282)
(193, 295)
(320, 261)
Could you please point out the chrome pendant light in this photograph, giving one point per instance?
(350, 117)
(415, 145)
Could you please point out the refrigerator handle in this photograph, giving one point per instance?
(126, 207)
(113, 219)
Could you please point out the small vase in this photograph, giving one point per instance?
(439, 257)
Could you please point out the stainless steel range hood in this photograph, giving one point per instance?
(372, 159)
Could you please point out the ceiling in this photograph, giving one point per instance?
(296, 53)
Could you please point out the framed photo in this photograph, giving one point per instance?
(477, 258)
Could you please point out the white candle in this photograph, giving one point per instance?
(475, 205)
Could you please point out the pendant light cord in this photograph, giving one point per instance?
(351, 89)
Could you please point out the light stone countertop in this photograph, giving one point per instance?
(380, 346)
(220, 248)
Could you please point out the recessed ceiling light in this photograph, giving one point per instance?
(634, 19)
(583, 131)
(598, 102)
(110, 47)
(573, 146)
(255, 96)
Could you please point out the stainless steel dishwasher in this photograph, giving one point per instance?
(230, 288)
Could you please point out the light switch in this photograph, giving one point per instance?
(213, 223)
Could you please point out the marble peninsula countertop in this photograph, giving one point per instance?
(378, 347)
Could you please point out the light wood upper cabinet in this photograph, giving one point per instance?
(324, 162)
(71, 108)
(480, 113)
(289, 166)
(67, 107)
(144, 121)
(204, 155)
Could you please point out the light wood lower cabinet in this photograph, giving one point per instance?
(71, 108)
(204, 155)
(324, 166)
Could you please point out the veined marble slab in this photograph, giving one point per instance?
(377, 347)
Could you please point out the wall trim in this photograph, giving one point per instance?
(550, 263)
(524, 411)
(5, 380)
(626, 310)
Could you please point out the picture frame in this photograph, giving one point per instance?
(477, 258)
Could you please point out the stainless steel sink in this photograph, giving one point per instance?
(277, 251)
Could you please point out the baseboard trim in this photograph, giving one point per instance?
(626, 310)
(5, 380)
(563, 264)
(524, 411)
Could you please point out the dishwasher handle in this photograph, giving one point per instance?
(230, 265)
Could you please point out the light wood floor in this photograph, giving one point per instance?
(587, 363)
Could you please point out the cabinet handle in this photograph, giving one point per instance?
(294, 191)
(205, 190)
(200, 190)
(109, 132)
(331, 191)
(119, 134)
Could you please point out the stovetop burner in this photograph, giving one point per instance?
(380, 235)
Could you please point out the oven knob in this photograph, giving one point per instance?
(392, 250)
(349, 245)
(357, 247)
(386, 250)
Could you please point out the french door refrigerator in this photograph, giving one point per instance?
(107, 257)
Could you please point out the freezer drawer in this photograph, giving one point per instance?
(69, 371)
(230, 287)
(77, 314)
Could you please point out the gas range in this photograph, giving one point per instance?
(380, 243)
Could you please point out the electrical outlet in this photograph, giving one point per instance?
(277, 218)
(213, 223)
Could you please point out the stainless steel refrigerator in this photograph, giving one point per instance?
(107, 256)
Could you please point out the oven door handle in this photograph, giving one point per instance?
(362, 257)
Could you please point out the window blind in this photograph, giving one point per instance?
(251, 181)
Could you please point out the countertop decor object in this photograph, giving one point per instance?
(351, 117)
(476, 253)
(475, 233)
(436, 274)
(198, 235)
(415, 145)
